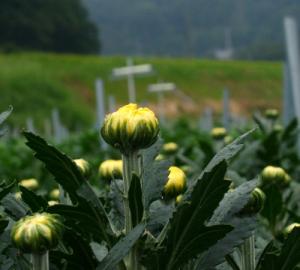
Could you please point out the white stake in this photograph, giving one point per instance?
(160, 89)
(129, 72)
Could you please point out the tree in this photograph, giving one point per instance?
(47, 25)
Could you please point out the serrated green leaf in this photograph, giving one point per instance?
(58, 164)
(289, 256)
(121, 249)
(227, 213)
(182, 242)
(154, 174)
(267, 259)
(35, 202)
(5, 114)
(5, 189)
(68, 175)
(14, 208)
(135, 200)
(3, 225)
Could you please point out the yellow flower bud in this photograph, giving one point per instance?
(218, 133)
(272, 114)
(130, 128)
(256, 202)
(170, 148)
(31, 183)
(271, 174)
(54, 194)
(111, 169)
(83, 166)
(37, 233)
(18, 195)
(290, 228)
(179, 199)
(278, 128)
(176, 183)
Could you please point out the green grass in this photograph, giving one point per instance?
(36, 83)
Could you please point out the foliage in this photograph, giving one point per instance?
(55, 25)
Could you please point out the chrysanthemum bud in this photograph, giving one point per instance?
(176, 183)
(37, 233)
(179, 198)
(83, 166)
(18, 195)
(31, 183)
(54, 194)
(277, 175)
(287, 230)
(111, 169)
(256, 202)
(170, 148)
(218, 133)
(272, 114)
(130, 128)
(228, 139)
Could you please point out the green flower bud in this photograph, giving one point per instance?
(218, 133)
(54, 194)
(276, 175)
(130, 128)
(31, 183)
(271, 114)
(111, 169)
(83, 166)
(287, 230)
(170, 148)
(179, 199)
(37, 233)
(228, 139)
(176, 183)
(278, 128)
(256, 202)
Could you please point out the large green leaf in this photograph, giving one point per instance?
(188, 236)
(121, 248)
(154, 174)
(5, 114)
(16, 209)
(135, 200)
(35, 202)
(227, 213)
(68, 175)
(5, 188)
(60, 165)
(288, 259)
(289, 256)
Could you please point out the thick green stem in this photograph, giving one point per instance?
(131, 165)
(40, 261)
(248, 254)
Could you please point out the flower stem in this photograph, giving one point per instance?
(40, 261)
(131, 165)
(248, 254)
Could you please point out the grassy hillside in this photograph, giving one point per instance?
(36, 83)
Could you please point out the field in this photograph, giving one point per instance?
(35, 83)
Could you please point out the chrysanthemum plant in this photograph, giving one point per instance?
(137, 229)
